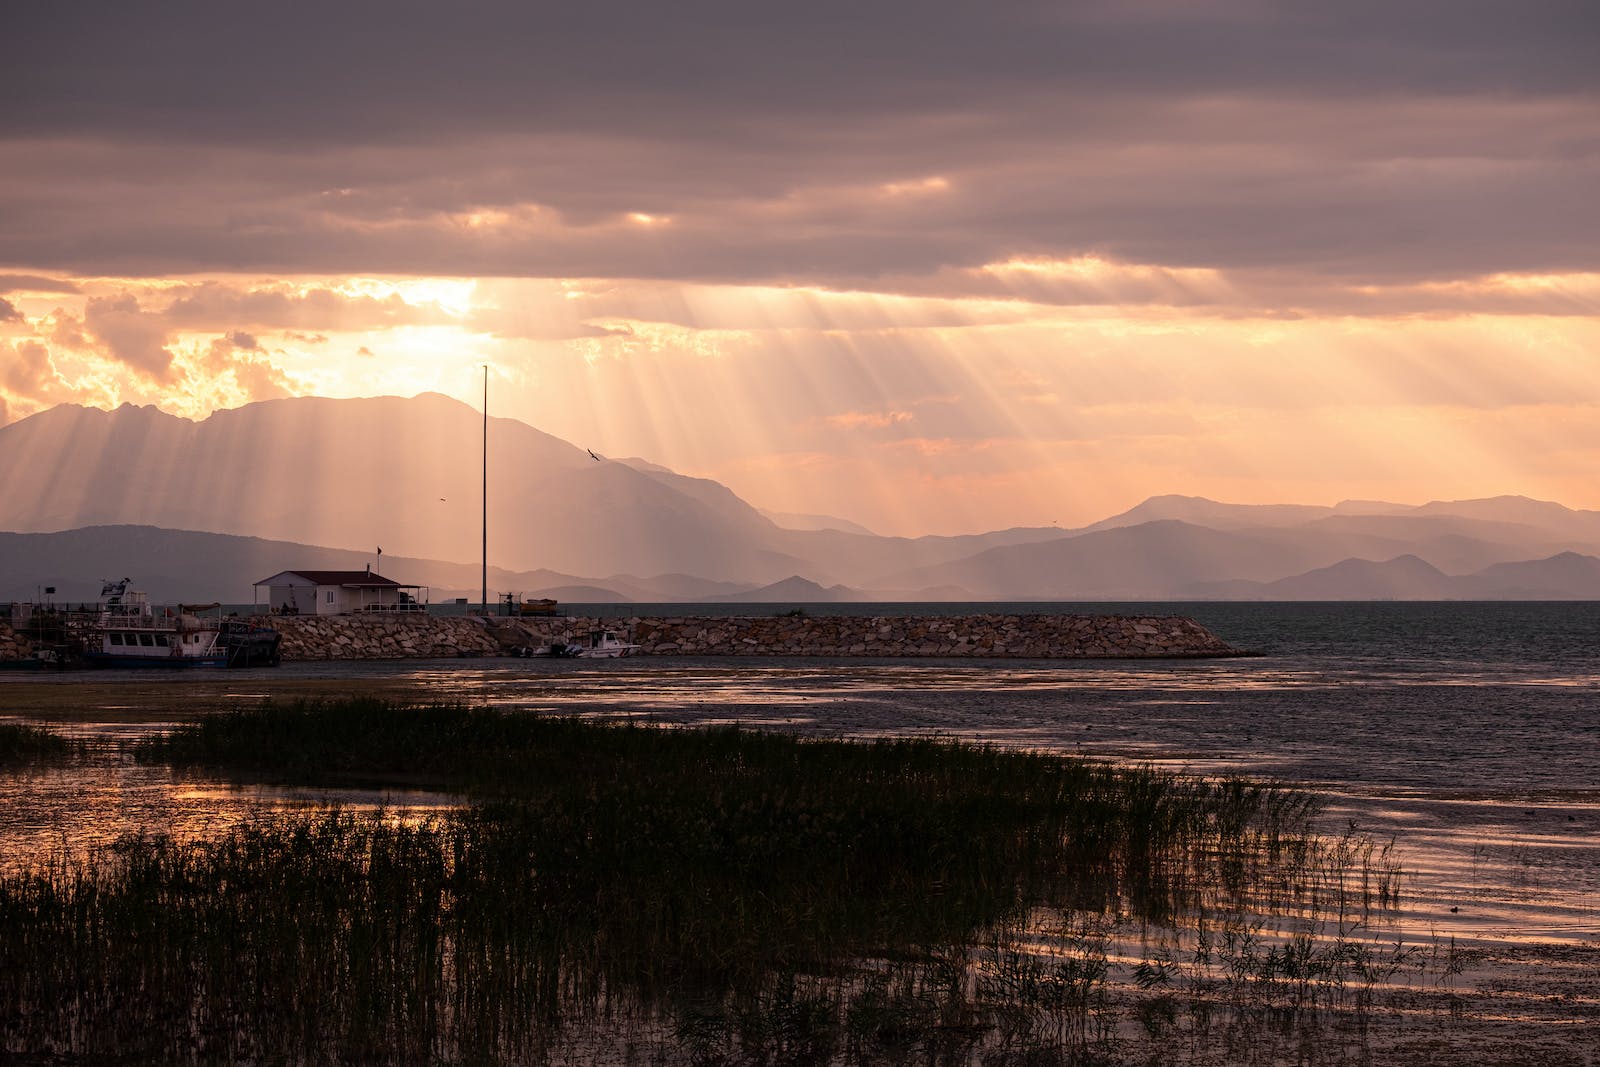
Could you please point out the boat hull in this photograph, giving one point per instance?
(107, 660)
(32, 663)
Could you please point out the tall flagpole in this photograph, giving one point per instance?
(486, 489)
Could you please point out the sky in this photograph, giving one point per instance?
(933, 267)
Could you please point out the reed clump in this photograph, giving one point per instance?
(734, 895)
(21, 744)
(774, 805)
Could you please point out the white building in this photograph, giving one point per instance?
(337, 593)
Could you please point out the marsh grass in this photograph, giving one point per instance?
(20, 744)
(733, 896)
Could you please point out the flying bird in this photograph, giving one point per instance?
(592, 455)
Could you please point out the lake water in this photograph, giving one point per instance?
(1467, 732)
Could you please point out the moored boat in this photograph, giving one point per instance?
(41, 659)
(600, 644)
(131, 634)
(248, 645)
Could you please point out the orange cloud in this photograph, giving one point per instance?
(129, 334)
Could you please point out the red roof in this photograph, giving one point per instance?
(366, 578)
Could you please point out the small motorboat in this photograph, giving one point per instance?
(600, 644)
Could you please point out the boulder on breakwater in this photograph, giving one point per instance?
(12, 644)
(338, 637)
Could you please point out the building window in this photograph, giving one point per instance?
(328, 597)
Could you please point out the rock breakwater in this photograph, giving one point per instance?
(349, 637)
(308, 637)
(997, 636)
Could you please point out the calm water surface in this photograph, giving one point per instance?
(1470, 733)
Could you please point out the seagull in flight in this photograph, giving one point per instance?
(592, 455)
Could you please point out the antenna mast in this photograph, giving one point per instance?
(485, 490)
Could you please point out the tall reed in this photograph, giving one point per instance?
(23, 744)
(728, 893)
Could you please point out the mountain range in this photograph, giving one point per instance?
(200, 509)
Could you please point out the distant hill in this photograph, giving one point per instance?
(1514, 515)
(1401, 578)
(1553, 519)
(1199, 511)
(174, 565)
(406, 474)
(794, 590)
(790, 520)
(1177, 560)
(170, 565)
(865, 561)
(1153, 560)
(582, 594)
(1567, 576)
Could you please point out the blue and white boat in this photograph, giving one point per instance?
(132, 635)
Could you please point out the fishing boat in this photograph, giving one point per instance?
(600, 644)
(132, 634)
(249, 645)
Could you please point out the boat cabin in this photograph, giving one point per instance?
(337, 593)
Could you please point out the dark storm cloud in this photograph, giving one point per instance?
(387, 71)
(1380, 140)
(33, 283)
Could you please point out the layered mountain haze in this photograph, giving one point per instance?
(204, 508)
(406, 474)
(1169, 559)
(403, 474)
(1220, 516)
(1569, 575)
(1402, 578)
(191, 566)
(791, 520)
